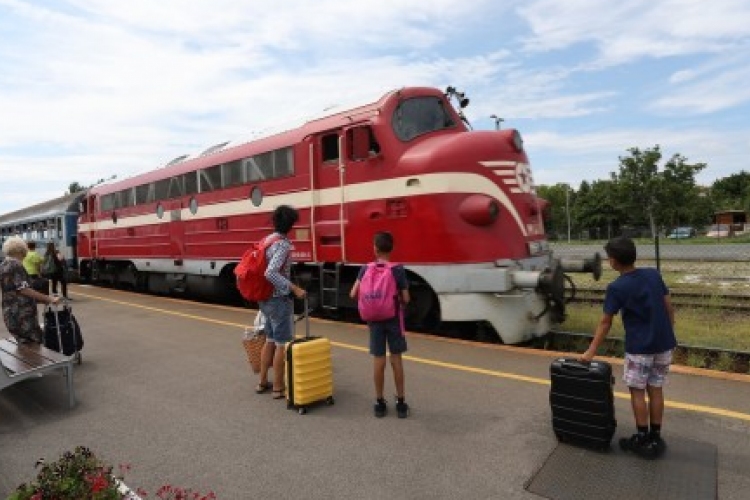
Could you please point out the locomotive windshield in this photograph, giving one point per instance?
(420, 115)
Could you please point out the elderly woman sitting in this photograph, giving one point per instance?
(19, 299)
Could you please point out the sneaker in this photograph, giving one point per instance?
(659, 445)
(380, 408)
(641, 445)
(402, 409)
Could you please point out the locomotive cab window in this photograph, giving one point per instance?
(329, 145)
(420, 115)
(361, 143)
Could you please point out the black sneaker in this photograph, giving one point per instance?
(659, 445)
(641, 445)
(380, 408)
(402, 409)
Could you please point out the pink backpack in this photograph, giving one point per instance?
(378, 292)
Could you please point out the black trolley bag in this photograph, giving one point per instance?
(582, 401)
(61, 329)
(308, 370)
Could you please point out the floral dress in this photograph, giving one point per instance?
(19, 312)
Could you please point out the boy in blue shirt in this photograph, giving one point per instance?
(648, 318)
(388, 331)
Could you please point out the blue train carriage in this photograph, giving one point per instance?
(53, 220)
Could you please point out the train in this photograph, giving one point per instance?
(53, 221)
(460, 203)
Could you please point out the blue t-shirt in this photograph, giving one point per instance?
(639, 295)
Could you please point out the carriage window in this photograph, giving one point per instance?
(420, 115)
(330, 146)
(260, 167)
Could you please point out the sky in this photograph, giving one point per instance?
(91, 89)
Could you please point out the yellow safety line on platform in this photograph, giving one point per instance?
(471, 369)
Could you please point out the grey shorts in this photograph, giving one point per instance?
(646, 369)
(279, 326)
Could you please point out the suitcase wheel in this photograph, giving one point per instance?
(302, 410)
(329, 400)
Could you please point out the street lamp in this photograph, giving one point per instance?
(498, 120)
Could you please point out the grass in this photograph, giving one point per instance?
(696, 326)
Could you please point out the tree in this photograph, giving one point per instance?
(653, 196)
(733, 192)
(75, 187)
(556, 218)
(596, 208)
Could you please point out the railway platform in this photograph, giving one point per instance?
(165, 387)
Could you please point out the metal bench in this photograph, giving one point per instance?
(23, 361)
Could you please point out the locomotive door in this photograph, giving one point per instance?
(328, 201)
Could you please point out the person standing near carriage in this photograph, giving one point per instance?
(19, 299)
(54, 266)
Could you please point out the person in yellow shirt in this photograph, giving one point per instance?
(33, 261)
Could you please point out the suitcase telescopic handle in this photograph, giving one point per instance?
(306, 316)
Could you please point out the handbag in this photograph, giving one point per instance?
(253, 340)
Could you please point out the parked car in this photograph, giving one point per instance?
(720, 231)
(679, 233)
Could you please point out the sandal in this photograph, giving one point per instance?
(278, 394)
(263, 388)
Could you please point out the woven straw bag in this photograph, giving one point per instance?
(253, 341)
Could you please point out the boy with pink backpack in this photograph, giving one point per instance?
(382, 292)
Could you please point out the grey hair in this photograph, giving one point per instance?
(15, 247)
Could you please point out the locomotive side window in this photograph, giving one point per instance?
(107, 202)
(330, 147)
(144, 193)
(161, 189)
(190, 182)
(176, 189)
(233, 173)
(210, 179)
(260, 167)
(420, 115)
(283, 162)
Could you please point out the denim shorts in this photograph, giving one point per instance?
(279, 326)
(646, 369)
(382, 332)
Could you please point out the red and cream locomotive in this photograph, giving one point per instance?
(461, 205)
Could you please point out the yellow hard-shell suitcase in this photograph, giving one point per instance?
(309, 372)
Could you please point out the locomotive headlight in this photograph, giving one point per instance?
(479, 210)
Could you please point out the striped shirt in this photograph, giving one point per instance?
(279, 265)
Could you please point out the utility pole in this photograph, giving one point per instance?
(567, 207)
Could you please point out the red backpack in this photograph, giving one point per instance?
(378, 292)
(251, 272)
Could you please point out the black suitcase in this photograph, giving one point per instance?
(582, 401)
(61, 327)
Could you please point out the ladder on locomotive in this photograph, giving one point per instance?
(330, 285)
